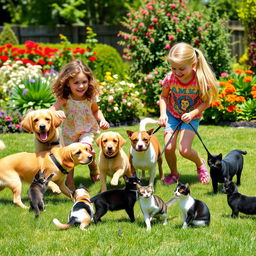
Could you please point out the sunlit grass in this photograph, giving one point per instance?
(22, 234)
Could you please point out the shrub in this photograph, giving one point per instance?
(119, 101)
(7, 36)
(108, 60)
(247, 14)
(153, 29)
(236, 99)
(34, 93)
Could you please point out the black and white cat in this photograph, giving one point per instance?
(151, 205)
(195, 212)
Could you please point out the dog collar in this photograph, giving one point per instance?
(110, 157)
(64, 171)
(51, 143)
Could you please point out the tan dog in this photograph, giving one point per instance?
(81, 212)
(113, 161)
(145, 150)
(23, 166)
(43, 123)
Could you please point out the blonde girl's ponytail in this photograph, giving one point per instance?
(206, 79)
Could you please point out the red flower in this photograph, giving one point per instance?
(9, 45)
(231, 108)
(41, 62)
(92, 58)
(4, 57)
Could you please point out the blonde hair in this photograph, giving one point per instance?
(60, 87)
(207, 83)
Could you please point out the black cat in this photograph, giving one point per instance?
(117, 199)
(195, 212)
(238, 202)
(36, 191)
(230, 165)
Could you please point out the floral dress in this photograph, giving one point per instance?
(80, 124)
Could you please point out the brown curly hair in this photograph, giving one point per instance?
(69, 71)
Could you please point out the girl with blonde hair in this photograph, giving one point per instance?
(187, 91)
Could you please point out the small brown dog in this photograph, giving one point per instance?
(59, 161)
(81, 212)
(145, 151)
(113, 161)
(43, 123)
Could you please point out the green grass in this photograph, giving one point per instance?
(22, 234)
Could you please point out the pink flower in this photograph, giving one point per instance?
(141, 24)
(168, 14)
(152, 40)
(150, 76)
(148, 34)
(178, 30)
(155, 20)
(111, 91)
(144, 91)
(183, 5)
(173, 5)
(200, 29)
(167, 47)
(129, 104)
(110, 99)
(135, 30)
(144, 12)
(174, 18)
(134, 37)
(124, 100)
(149, 6)
(188, 17)
(171, 37)
(8, 119)
(224, 74)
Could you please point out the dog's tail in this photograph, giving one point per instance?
(146, 121)
(2, 146)
(57, 223)
(171, 201)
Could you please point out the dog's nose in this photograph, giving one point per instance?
(42, 127)
(110, 148)
(90, 158)
(140, 146)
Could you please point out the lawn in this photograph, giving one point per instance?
(22, 234)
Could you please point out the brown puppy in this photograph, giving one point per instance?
(43, 123)
(23, 166)
(113, 161)
(81, 212)
(145, 150)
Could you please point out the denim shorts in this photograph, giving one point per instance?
(173, 122)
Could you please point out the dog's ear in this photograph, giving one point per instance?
(121, 140)
(129, 133)
(150, 132)
(98, 141)
(67, 158)
(56, 121)
(27, 122)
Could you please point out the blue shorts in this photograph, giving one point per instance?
(173, 122)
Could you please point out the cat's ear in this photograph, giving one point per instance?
(138, 186)
(37, 175)
(187, 185)
(220, 156)
(126, 179)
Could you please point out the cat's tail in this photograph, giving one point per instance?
(242, 152)
(146, 121)
(57, 223)
(171, 201)
(2, 146)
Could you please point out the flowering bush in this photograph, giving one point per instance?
(10, 120)
(11, 75)
(152, 31)
(119, 101)
(236, 99)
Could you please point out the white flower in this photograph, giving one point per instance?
(22, 86)
(116, 108)
(115, 76)
(30, 103)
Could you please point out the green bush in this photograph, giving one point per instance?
(33, 93)
(152, 31)
(108, 60)
(7, 36)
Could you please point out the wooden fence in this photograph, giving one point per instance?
(106, 35)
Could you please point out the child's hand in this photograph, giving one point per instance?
(163, 120)
(186, 118)
(60, 114)
(104, 124)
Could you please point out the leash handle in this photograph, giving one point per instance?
(170, 139)
(199, 137)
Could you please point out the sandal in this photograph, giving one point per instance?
(171, 178)
(203, 174)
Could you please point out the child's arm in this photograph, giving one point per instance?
(162, 103)
(57, 105)
(187, 117)
(99, 116)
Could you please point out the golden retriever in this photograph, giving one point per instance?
(43, 123)
(113, 161)
(23, 166)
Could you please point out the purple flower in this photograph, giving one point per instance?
(24, 92)
(32, 80)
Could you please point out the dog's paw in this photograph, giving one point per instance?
(56, 191)
(114, 182)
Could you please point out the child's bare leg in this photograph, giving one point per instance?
(70, 180)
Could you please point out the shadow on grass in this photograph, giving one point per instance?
(248, 217)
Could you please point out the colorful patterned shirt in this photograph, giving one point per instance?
(79, 120)
(182, 97)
